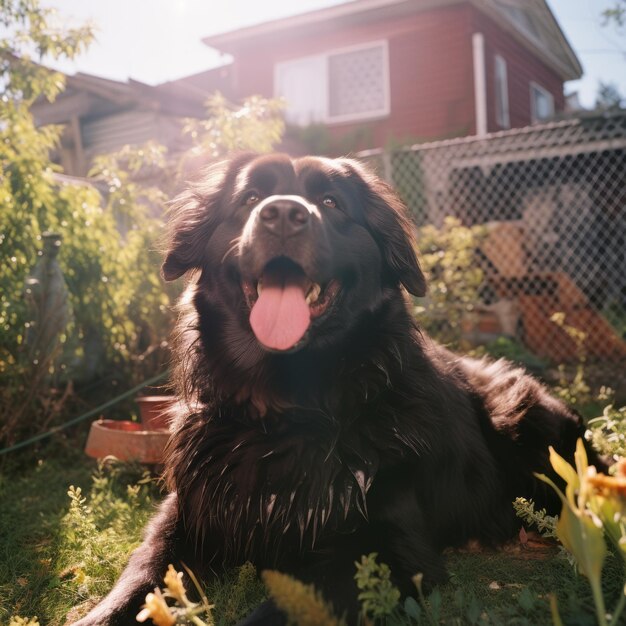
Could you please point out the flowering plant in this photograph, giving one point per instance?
(594, 508)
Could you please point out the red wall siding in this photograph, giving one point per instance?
(431, 88)
(431, 74)
(432, 93)
(522, 68)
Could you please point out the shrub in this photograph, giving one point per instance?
(453, 278)
(29, 202)
(257, 125)
(121, 314)
(102, 527)
(608, 432)
(593, 512)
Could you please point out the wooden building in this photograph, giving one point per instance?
(101, 115)
(378, 72)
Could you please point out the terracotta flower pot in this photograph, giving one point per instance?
(125, 440)
(153, 411)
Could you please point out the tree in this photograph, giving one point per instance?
(256, 125)
(615, 14)
(608, 97)
(120, 309)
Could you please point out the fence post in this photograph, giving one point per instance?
(387, 166)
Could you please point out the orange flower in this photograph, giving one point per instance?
(608, 485)
(157, 610)
(174, 583)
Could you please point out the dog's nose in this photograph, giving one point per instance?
(285, 217)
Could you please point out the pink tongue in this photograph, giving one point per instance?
(280, 316)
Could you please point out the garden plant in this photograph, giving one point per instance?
(67, 525)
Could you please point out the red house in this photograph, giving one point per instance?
(374, 72)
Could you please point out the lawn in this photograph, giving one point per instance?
(61, 550)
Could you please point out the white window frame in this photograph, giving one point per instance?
(349, 117)
(501, 82)
(533, 112)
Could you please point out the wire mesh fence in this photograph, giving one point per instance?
(551, 199)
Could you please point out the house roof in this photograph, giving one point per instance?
(533, 22)
(86, 95)
(530, 21)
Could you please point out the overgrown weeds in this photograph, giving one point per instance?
(119, 505)
(448, 258)
(57, 552)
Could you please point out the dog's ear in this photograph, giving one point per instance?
(194, 215)
(388, 221)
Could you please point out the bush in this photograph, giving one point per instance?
(448, 257)
(29, 205)
(121, 313)
(120, 309)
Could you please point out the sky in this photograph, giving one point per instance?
(158, 40)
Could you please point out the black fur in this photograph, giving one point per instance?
(367, 436)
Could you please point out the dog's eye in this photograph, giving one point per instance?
(330, 202)
(251, 198)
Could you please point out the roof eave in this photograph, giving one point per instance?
(567, 71)
(228, 42)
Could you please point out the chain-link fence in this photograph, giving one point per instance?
(552, 199)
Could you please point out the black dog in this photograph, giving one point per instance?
(323, 424)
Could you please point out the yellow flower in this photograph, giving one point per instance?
(157, 610)
(590, 509)
(16, 620)
(608, 501)
(174, 583)
(578, 528)
(302, 604)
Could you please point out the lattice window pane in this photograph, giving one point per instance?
(357, 82)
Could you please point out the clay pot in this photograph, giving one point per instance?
(125, 440)
(153, 411)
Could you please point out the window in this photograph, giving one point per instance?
(541, 103)
(339, 86)
(502, 93)
(302, 84)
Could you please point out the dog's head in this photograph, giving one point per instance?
(294, 249)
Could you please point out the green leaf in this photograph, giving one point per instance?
(567, 473)
(435, 604)
(610, 511)
(473, 611)
(412, 608)
(580, 535)
(527, 599)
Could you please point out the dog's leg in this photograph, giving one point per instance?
(145, 570)
(405, 540)
(331, 571)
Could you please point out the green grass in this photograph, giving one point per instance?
(57, 552)
(33, 497)
(515, 588)
(52, 558)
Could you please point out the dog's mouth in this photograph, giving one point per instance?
(283, 301)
